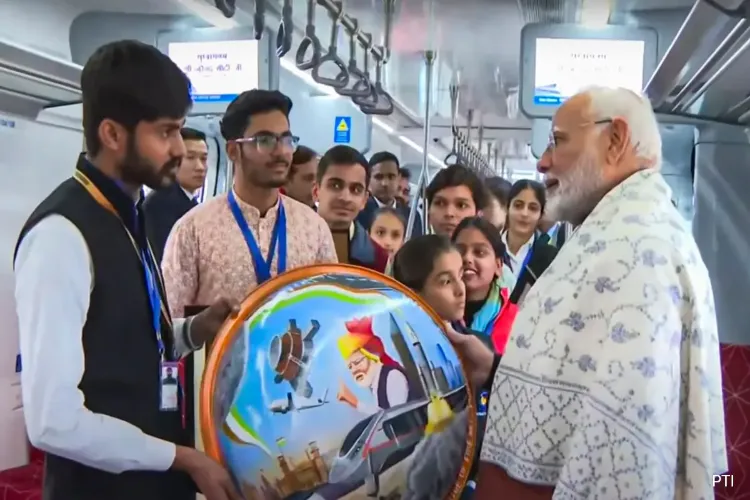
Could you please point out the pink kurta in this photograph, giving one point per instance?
(206, 256)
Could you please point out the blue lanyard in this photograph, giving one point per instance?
(149, 276)
(154, 298)
(262, 266)
(145, 255)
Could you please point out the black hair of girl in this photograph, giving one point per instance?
(537, 187)
(414, 261)
(391, 211)
(488, 231)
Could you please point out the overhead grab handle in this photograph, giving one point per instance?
(389, 9)
(341, 79)
(286, 30)
(370, 98)
(451, 157)
(259, 19)
(309, 42)
(380, 101)
(362, 87)
(383, 107)
(454, 153)
(227, 7)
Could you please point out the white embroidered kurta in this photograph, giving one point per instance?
(610, 387)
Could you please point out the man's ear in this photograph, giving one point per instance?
(232, 149)
(619, 140)
(315, 191)
(113, 136)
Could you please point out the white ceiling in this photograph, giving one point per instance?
(130, 6)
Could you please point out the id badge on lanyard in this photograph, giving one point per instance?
(169, 371)
(262, 265)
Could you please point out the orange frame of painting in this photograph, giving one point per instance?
(230, 329)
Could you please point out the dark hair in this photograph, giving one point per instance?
(499, 188)
(130, 82)
(488, 231)
(524, 184)
(458, 175)
(301, 155)
(390, 211)
(414, 261)
(251, 102)
(384, 156)
(342, 155)
(191, 134)
(405, 173)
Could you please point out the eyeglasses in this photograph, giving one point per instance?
(269, 142)
(552, 143)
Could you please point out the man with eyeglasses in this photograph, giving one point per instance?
(231, 243)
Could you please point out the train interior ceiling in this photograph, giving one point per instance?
(700, 88)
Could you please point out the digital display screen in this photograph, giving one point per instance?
(218, 71)
(565, 66)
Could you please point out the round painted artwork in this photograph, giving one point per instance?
(335, 382)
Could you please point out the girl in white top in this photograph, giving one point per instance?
(525, 207)
(526, 250)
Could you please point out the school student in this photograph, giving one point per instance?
(453, 194)
(433, 267)
(527, 250)
(388, 229)
(489, 309)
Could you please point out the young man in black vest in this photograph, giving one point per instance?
(164, 207)
(96, 338)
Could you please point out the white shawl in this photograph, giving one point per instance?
(610, 387)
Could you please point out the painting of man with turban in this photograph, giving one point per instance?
(372, 368)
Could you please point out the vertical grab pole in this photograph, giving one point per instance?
(429, 59)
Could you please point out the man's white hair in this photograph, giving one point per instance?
(636, 110)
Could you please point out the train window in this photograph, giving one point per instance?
(403, 424)
(354, 435)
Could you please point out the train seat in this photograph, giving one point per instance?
(735, 362)
(24, 483)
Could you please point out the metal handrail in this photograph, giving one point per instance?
(716, 56)
(429, 60)
(700, 21)
(722, 69)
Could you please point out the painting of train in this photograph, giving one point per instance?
(339, 386)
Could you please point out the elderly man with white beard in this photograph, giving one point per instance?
(610, 387)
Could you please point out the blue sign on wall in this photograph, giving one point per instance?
(342, 130)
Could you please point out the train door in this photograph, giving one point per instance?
(36, 156)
